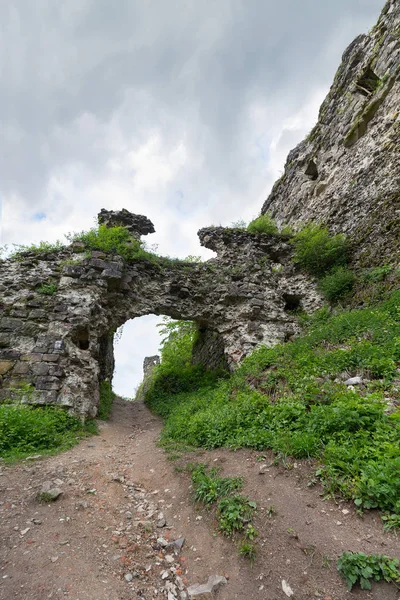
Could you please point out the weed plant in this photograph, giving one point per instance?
(292, 399)
(357, 567)
(234, 511)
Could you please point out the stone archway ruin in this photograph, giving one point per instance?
(62, 344)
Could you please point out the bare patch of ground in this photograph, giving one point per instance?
(103, 529)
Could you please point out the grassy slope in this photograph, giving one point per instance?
(292, 399)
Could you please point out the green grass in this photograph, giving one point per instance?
(42, 248)
(26, 430)
(263, 224)
(106, 400)
(293, 400)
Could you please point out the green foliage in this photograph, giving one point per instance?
(376, 274)
(26, 429)
(106, 400)
(263, 224)
(391, 522)
(176, 374)
(337, 284)
(233, 510)
(247, 550)
(47, 289)
(42, 248)
(357, 567)
(291, 398)
(234, 513)
(209, 486)
(115, 240)
(317, 251)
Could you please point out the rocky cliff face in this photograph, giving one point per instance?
(346, 173)
(59, 311)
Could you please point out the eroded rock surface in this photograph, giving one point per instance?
(346, 173)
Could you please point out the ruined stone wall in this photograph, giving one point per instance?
(209, 351)
(60, 342)
(346, 173)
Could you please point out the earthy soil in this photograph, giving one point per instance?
(99, 539)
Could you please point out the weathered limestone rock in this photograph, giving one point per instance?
(137, 225)
(62, 343)
(346, 173)
(206, 591)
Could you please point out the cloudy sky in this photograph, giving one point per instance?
(177, 109)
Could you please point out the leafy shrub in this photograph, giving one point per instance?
(106, 400)
(357, 567)
(263, 224)
(317, 251)
(337, 284)
(112, 239)
(47, 289)
(25, 429)
(234, 513)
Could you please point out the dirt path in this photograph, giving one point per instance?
(100, 539)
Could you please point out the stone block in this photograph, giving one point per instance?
(5, 366)
(37, 313)
(73, 271)
(40, 368)
(98, 264)
(10, 324)
(9, 354)
(4, 340)
(21, 368)
(32, 357)
(51, 357)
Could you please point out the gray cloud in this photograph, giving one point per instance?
(180, 110)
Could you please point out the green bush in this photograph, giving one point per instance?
(357, 567)
(106, 400)
(263, 224)
(317, 251)
(337, 284)
(26, 429)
